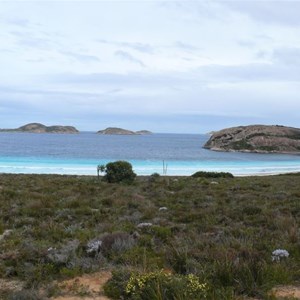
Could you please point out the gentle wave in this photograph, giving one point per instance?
(146, 168)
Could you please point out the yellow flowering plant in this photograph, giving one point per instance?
(164, 285)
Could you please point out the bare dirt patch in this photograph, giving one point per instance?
(11, 285)
(286, 292)
(85, 287)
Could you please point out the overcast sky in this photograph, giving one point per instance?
(166, 66)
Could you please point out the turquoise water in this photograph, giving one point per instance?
(80, 154)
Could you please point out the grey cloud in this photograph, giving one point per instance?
(121, 81)
(15, 91)
(185, 46)
(4, 50)
(25, 38)
(127, 56)
(19, 22)
(261, 54)
(193, 10)
(280, 12)
(80, 57)
(11, 103)
(287, 56)
(246, 43)
(29, 40)
(141, 47)
(149, 49)
(144, 48)
(36, 60)
(182, 81)
(253, 72)
(34, 43)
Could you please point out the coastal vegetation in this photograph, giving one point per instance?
(161, 237)
(204, 174)
(118, 171)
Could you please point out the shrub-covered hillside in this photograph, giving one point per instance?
(173, 238)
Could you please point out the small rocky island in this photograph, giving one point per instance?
(40, 128)
(256, 138)
(121, 131)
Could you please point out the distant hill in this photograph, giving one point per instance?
(121, 131)
(143, 132)
(40, 128)
(256, 138)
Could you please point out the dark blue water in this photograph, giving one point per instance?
(81, 153)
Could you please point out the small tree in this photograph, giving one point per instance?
(119, 171)
(100, 169)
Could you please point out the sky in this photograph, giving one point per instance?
(165, 66)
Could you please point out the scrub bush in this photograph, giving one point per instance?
(158, 285)
(212, 174)
(119, 171)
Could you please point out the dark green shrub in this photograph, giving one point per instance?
(115, 287)
(252, 210)
(162, 233)
(212, 174)
(154, 177)
(119, 171)
(241, 145)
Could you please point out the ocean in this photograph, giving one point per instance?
(80, 154)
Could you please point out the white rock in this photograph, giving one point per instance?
(93, 246)
(6, 233)
(142, 225)
(163, 208)
(278, 254)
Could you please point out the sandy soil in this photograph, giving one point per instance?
(90, 287)
(13, 285)
(86, 287)
(283, 292)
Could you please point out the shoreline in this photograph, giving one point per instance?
(146, 168)
(296, 153)
(259, 174)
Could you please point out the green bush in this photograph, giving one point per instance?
(212, 174)
(115, 287)
(154, 177)
(156, 285)
(119, 171)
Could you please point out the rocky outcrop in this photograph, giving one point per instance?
(143, 132)
(116, 130)
(40, 128)
(256, 138)
(121, 131)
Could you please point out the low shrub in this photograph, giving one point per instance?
(157, 285)
(116, 242)
(115, 287)
(154, 177)
(212, 174)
